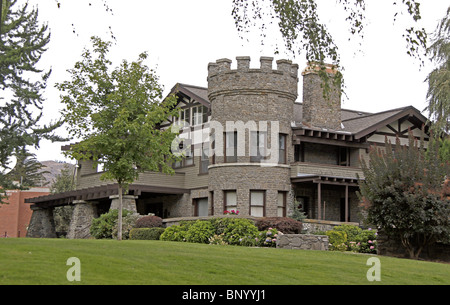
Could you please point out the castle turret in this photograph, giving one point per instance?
(251, 115)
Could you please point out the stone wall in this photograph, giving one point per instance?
(302, 242)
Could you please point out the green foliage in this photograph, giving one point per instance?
(174, 233)
(358, 240)
(64, 181)
(199, 232)
(301, 29)
(146, 233)
(438, 94)
(105, 225)
(116, 114)
(22, 42)
(28, 170)
(221, 231)
(235, 229)
(337, 240)
(402, 193)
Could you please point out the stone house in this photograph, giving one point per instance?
(250, 144)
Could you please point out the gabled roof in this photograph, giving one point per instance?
(200, 94)
(362, 126)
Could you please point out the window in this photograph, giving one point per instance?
(282, 149)
(230, 202)
(257, 146)
(230, 146)
(185, 117)
(257, 203)
(199, 115)
(204, 159)
(281, 205)
(201, 207)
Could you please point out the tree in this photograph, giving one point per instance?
(116, 115)
(438, 94)
(28, 171)
(403, 193)
(299, 24)
(22, 42)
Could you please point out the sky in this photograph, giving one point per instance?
(182, 37)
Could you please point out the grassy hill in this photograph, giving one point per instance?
(43, 261)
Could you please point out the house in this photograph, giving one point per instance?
(250, 144)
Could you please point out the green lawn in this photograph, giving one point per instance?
(43, 261)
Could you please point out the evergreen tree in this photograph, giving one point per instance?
(22, 42)
(28, 171)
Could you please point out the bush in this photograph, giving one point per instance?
(356, 239)
(146, 233)
(337, 240)
(200, 232)
(267, 238)
(174, 233)
(283, 224)
(235, 229)
(103, 226)
(149, 222)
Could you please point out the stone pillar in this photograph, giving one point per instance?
(128, 202)
(42, 224)
(81, 222)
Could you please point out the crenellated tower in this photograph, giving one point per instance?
(251, 115)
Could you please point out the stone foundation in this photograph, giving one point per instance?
(302, 242)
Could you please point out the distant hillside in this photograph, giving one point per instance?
(54, 168)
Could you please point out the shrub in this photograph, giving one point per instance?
(356, 239)
(174, 233)
(235, 229)
(366, 241)
(149, 222)
(103, 226)
(283, 224)
(337, 240)
(200, 232)
(146, 233)
(267, 238)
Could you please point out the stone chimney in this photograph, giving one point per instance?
(320, 110)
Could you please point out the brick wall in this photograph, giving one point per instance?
(15, 216)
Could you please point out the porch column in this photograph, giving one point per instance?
(128, 202)
(319, 200)
(81, 221)
(346, 203)
(42, 224)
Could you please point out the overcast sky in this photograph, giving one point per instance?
(182, 37)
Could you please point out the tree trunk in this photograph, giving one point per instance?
(119, 229)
